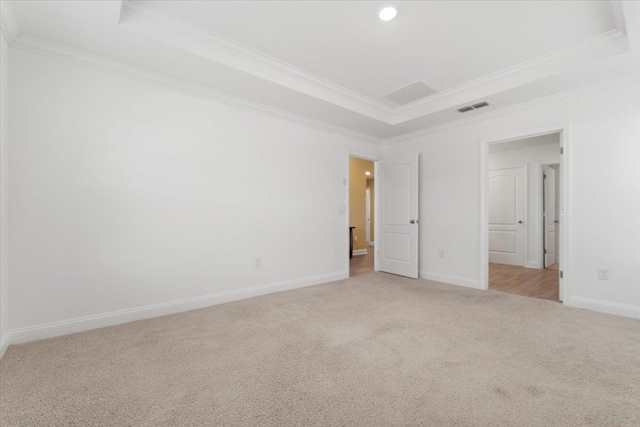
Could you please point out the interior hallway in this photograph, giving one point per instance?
(529, 282)
(361, 264)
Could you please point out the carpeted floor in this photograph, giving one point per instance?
(371, 350)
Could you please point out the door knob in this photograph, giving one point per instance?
(520, 222)
(412, 221)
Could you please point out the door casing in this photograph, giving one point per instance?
(565, 247)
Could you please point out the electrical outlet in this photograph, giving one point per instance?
(257, 263)
(603, 273)
(441, 253)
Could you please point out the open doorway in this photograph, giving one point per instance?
(524, 189)
(361, 216)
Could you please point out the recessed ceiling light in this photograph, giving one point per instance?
(367, 173)
(388, 13)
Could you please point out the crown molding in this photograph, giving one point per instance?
(603, 45)
(8, 22)
(175, 31)
(65, 53)
(61, 52)
(572, 93)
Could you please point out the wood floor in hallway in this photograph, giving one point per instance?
(361, 264)
(529, 282)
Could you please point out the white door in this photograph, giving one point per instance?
(506, 216)
(549, 215)
(398, 216)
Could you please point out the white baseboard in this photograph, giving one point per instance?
(452, 280)
(65, 327)
(372, 243)
(532, 264)
(359, 252)
(625, 310)
(4, 345)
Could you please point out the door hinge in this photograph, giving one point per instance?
(561, 150)
(545, 251)
(545, 177)
(561, 274)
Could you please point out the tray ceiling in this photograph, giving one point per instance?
(333, 62)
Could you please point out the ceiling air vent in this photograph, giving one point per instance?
(473, 107)
(410, 93)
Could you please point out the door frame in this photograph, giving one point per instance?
(346, 184)
(564, 133)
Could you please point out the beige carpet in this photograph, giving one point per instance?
(372, 350)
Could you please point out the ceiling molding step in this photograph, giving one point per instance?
(173, 30)
(573, 93)
(68, 54)
(604, 45)
(8, 22)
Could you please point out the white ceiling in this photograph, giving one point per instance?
(332, 62)
(443, 43)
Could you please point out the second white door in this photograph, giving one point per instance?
(550, 232)
(397, 246)
(506, 216)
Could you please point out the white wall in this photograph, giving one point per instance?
(4, 141)
(533, 157)
(604, 192)
(125, 194)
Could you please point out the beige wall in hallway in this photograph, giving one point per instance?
(357, 199)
